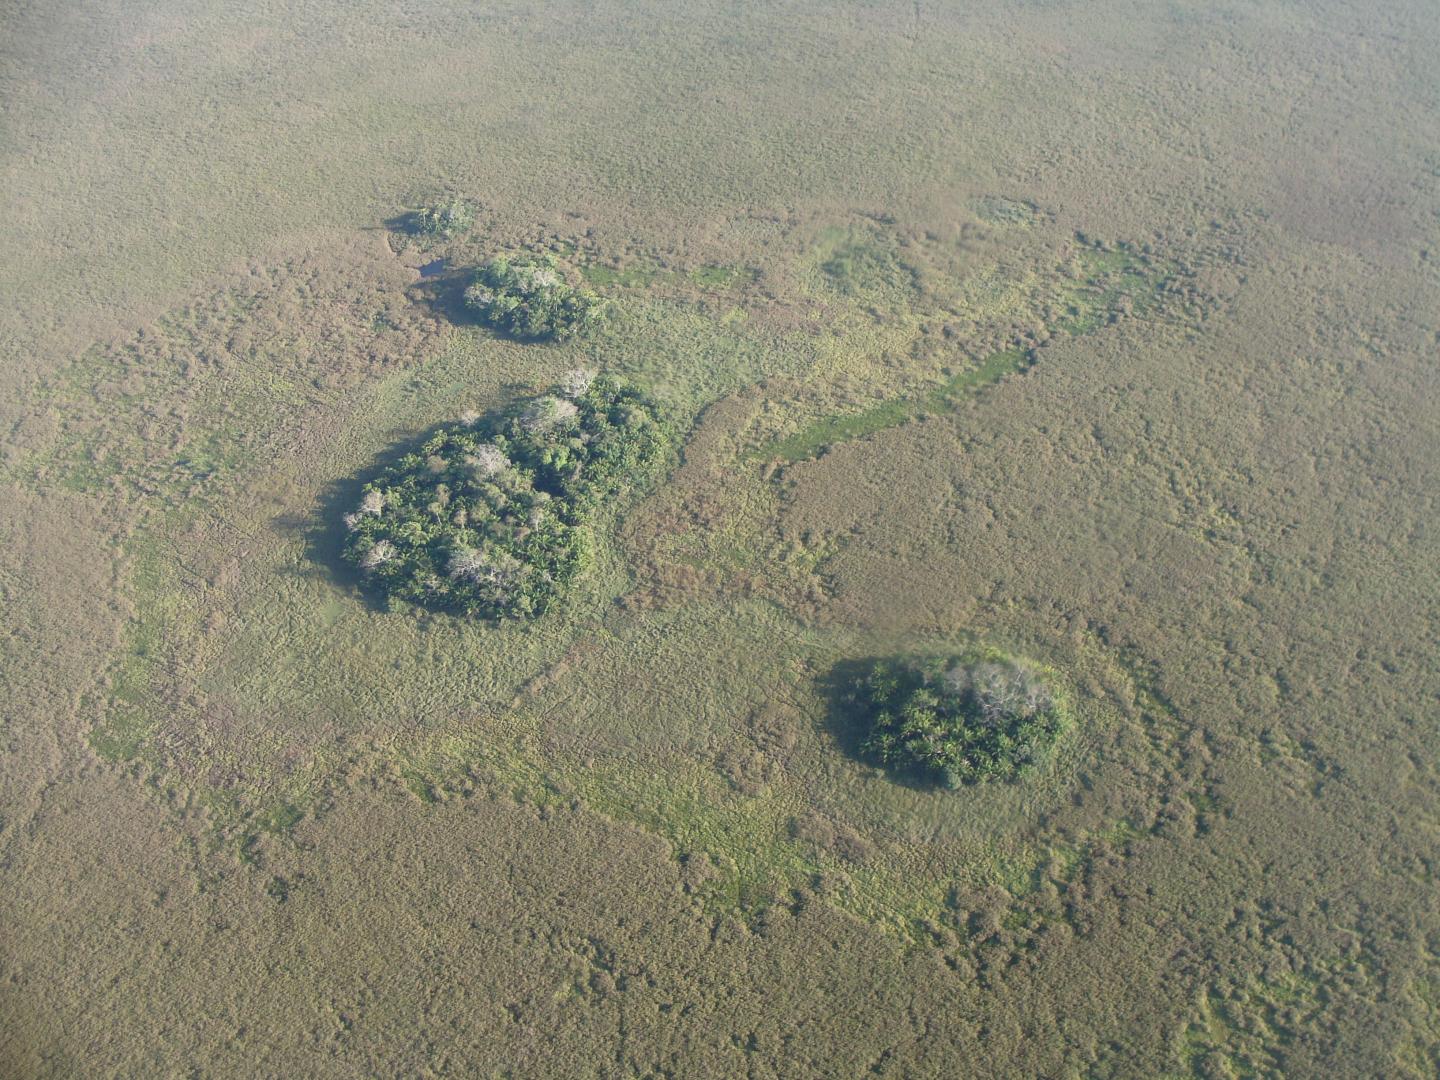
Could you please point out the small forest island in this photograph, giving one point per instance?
(492, 518)
(959, 720)
(527, 298)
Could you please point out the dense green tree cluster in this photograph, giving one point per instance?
(440, 222)
(960, 719)
(529, 298)
(491, 518)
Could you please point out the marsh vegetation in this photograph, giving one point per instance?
(1098, 334)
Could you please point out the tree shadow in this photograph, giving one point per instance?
(443, 292)
(442, 284)
(848, 721)
(405, 224)
(324, 531)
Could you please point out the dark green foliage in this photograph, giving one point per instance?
(491, 518)
(528, 298)
(960, 719)
(441, 222)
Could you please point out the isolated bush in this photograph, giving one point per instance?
(492, 518)
(960, 719)
(529, 298)
(441, 222)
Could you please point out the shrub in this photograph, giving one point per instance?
(960, 719)
(441, 222)
(528, 298)
(492, 518)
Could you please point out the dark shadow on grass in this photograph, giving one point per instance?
(411, 225)
(404, 224)
(324, 529)
(848, 721)
(443, 292)
(442, 284)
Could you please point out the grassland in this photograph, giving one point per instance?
(1097, 335)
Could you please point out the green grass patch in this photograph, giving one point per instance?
(1104, 282)
(120, 735)
(809, 441)
(630, 277)
(997, 210)
(715, 277)
(280, 818)
(722, 277)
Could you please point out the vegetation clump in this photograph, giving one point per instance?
(492, 518)
(440, 222)
(960, 719)
(528, 297)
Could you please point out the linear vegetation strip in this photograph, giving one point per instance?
(809, 441)
(1104, 282)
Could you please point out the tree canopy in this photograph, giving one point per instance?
(440, 222)
(960, 719)
(491, 517)
(528, 297)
